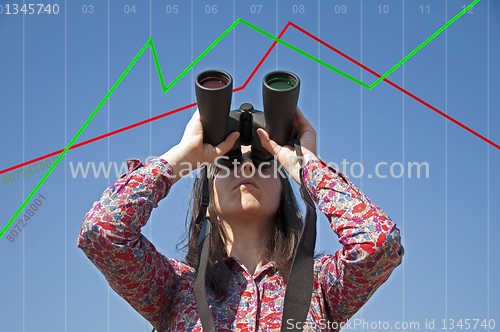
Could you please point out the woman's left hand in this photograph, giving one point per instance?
(285, 154)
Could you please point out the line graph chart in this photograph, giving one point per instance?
(277, 39)
(332, 46)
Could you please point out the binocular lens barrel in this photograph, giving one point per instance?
(214, 89)
(280, 93)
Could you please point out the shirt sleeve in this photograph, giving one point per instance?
(111, 238)
(371, 242)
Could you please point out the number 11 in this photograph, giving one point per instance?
(428, 9)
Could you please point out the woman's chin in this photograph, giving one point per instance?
(250, 206)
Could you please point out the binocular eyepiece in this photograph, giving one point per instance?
(280, 93)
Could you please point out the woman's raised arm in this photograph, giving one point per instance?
(371, 242)
(111, 238)
(111, 231)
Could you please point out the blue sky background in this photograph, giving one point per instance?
(56, 68)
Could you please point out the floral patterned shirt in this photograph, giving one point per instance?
(161, 288)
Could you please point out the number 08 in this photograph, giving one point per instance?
(298, 9)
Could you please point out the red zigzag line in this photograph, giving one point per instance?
(244, 86)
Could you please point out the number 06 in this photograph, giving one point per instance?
(211, 9)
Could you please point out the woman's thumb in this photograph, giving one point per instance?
(266, 142)
(227, 144)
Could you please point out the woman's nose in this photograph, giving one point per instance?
(247, 167)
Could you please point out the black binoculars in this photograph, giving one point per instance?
(280, 93)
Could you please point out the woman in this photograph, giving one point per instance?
(256, 228)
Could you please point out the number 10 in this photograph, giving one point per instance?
(384, 9)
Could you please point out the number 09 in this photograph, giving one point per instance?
(340, 9)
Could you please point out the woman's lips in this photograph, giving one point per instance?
(247, 182)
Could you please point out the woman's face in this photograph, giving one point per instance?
(247, 190)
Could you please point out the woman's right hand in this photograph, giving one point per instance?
(191, 152)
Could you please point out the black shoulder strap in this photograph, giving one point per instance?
(299, 287)
(207, 320)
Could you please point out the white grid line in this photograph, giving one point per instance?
(361, 91)
(446, 165)
(277, 45)
(361, 105)
(403, 160)
(108, 104)
(65, 166)
(234, 53)
(150, 101)
(318, 137)
(488, 163)
(24, 159)
(192, 51)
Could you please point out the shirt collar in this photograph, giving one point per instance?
(234, 264)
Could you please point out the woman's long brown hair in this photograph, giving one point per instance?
(280, 246)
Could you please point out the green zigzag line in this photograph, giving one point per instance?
(165, 89)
